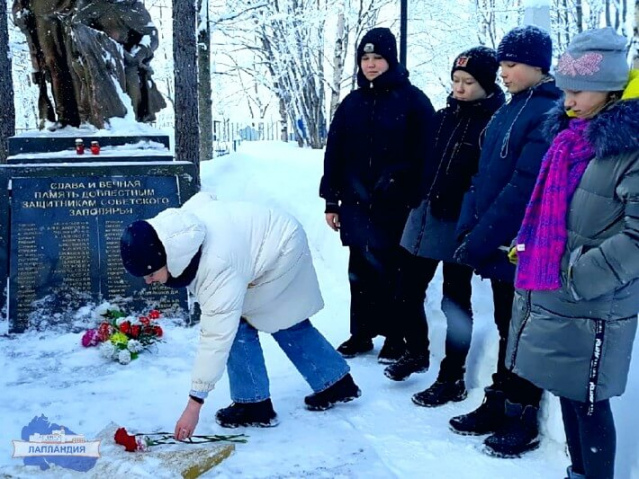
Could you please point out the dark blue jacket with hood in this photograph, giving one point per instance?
(511, 155)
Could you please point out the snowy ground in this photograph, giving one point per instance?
(381, 435)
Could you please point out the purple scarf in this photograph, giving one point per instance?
(543, 234)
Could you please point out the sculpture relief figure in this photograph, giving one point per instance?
(90, 52)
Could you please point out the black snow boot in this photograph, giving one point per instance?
(574, 475)
(519, 433)
(344, 390)
(441, 392)
(408, 364)
(392, 350)
(486, 419)
(256, 414)
(355, 346)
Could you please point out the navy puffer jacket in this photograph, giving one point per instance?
(510, 160)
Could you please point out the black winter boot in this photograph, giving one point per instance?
(486, 419)
(574, 475)
(344, 390)
(407, 365)
(518, 434)
(355, 346)
(256, 414)
(441, 392)
(392, 350)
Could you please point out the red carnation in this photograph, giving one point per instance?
(124, 439)
(144, 320)
(135, 331)
(104, 332)
(125, 327)
(154, 314)
(158, 331)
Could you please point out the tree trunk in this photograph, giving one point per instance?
(204, 87)
(579, 15)
(283, 120)
(187, 134)
(636, 36)
(338, 64)
(8, 116)
(567, 36)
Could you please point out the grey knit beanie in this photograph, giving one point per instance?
(596, 60)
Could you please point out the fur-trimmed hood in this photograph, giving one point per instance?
(612, 132)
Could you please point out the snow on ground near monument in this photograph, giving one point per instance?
(380, 435)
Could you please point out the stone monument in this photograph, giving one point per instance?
(68, 190)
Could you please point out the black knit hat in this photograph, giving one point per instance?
(481, 63)
(141, 249)
(530, 45)
(380, 41)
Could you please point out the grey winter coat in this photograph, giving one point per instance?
(576, 342)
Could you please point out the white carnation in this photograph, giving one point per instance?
(107, 349)
(134, 346)
(124, 357)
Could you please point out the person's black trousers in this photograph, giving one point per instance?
(372, 274)
(415, 275)
(591, 438)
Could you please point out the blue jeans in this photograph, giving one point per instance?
(311, 354)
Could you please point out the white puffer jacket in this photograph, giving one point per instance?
(255, 264)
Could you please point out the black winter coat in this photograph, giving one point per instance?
(456, 152)
(430, 229)
(376, 151)
(510, 160)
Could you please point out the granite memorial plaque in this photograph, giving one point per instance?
(65, 243)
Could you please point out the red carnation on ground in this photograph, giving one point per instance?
(158, 331)
(143, 441)
(125, 327)
(154, 314)
(104, 332)
(123, 438)
(135, 331)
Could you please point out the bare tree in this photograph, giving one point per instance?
(187, 134)
(7, 118)
(635, 40)
(579, 15)
(204, 85)
(338, 60)
(286, 39)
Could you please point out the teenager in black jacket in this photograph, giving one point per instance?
(377, 147)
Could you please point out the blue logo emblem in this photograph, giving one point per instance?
(44, 443)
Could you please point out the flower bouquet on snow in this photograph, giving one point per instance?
(141, 442)
(122, 338)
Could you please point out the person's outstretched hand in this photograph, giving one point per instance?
(185, 426)
(332, 220)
